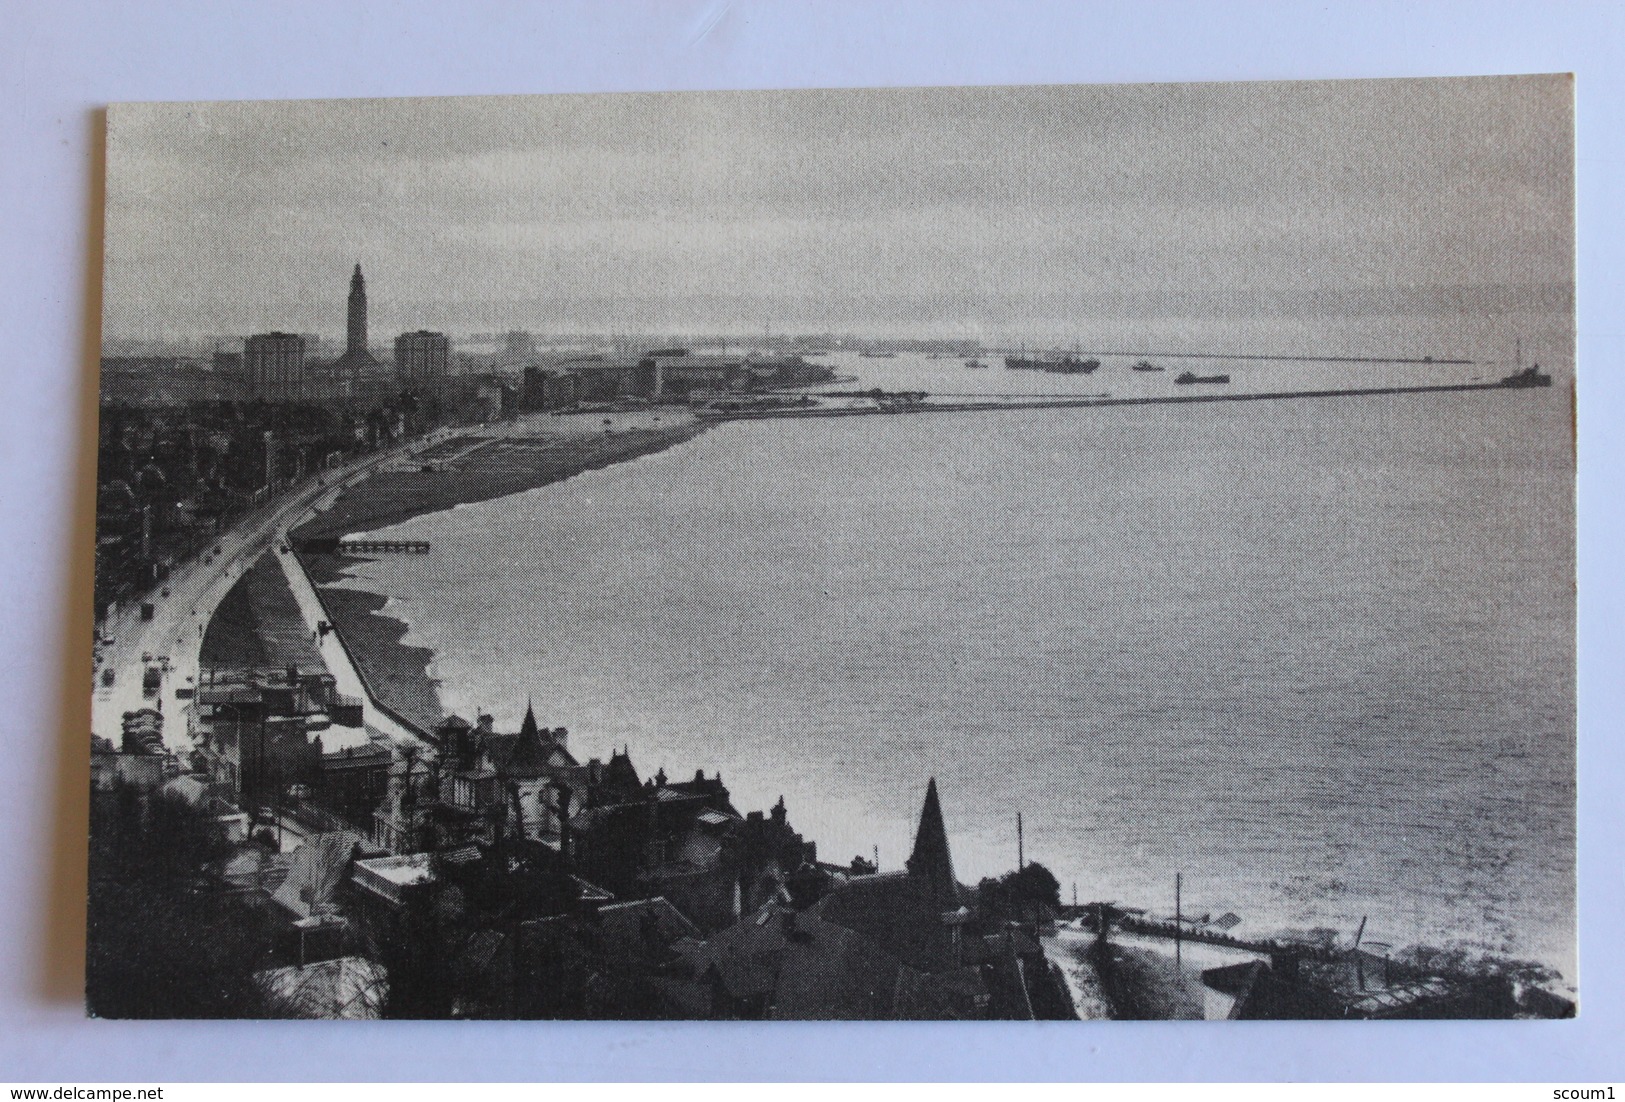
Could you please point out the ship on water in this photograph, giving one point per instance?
(1187, 377)
(1530, 376)
(1059, 364)
(1146, 365)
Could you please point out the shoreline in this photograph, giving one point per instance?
(400, 673)
(461, 470)
(475, 467)
(396, 672)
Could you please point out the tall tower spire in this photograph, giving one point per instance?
(931, 860)
(356, 338)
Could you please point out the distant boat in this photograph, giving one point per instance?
(1530, 376)
(1072, 365)
(974, 363)
(1524, 377)
(878, 355)
(1189, 377)
(1061, 365)
(1146, 365)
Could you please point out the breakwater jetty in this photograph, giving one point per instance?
(919, 404)
(1266, 358)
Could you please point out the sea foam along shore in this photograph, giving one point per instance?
(465, 468)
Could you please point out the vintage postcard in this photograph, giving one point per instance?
(957, 553)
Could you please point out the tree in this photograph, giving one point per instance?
(1017, 895)
(1033, 884)
(160, 942)
(419, 946)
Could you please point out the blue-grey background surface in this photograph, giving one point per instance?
(59, 62)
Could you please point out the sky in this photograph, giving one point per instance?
(1292, 213)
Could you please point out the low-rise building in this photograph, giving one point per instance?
(389, 879)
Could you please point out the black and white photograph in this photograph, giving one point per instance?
(1038, 552)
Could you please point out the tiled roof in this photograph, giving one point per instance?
(958, 995)
(624, 926)
(796, 966)
(898, 912)
(1395, 1000)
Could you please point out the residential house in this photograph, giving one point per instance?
(891, 945)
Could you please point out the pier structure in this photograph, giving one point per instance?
(916, 403)
(383, 547)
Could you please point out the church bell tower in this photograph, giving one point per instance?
(356, 338)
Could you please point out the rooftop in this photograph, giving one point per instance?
(403, 870)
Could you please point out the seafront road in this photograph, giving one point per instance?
(197, 587)
(346, 677)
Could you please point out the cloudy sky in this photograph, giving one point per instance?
(1000, 212)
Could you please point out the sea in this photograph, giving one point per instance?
(1314, 656)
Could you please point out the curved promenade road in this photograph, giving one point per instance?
(197, 587)
(345, 676)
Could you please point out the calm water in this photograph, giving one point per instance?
(1316, 655)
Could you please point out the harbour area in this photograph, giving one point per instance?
(880, 401)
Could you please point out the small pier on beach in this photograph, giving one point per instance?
(383, 547)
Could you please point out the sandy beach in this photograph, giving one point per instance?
(495, 461)
(477, 465)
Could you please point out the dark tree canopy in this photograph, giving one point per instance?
(1016, 894)
(160, 943)
(1033, 884)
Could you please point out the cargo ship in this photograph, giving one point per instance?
(1190, 377)
(1060, 365)
(1146, 365)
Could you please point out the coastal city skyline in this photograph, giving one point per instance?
(986, 553)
